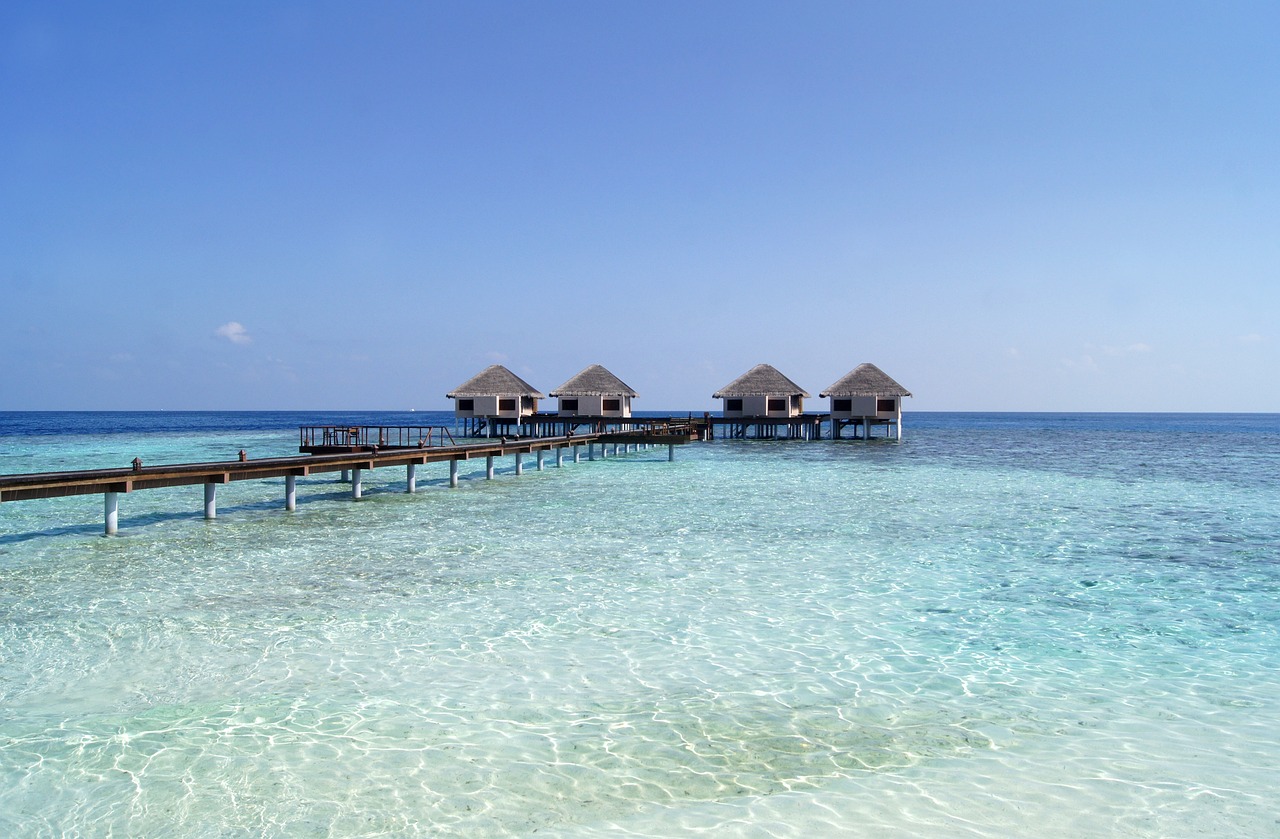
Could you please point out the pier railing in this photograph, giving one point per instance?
(368, 436)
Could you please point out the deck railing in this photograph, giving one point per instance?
(382, 436)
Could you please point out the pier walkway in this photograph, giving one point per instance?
(809, 426)
(354, 456)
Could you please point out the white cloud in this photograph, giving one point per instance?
(233, 332)
(496, 357)
(1131, 349)
(1083, 362)
(1252, 338)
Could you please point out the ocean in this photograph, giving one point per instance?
(1005, 625)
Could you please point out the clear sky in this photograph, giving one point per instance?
(276, 205)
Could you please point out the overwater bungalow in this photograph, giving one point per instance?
(866, 397)
(594, 392)
(494, 398)
(762, 392)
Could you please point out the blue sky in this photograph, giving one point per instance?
(1006, 206)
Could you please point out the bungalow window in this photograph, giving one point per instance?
(613, 404)
(466, 404)
(506, 404)
(568, 404)
(777, 404)
(733, 404)
(842, 405)
(886, 406)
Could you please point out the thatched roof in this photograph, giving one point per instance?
(761, 380)
(865, 380)
(494, 380)
(594, 381)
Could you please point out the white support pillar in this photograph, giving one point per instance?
(671, 452)
(453, 473)
(488, 467)
(541, 454)
(346, 476)
(357, 484)
(591, 451)
(519, 463)
(411, 478)
(559, 457)
(210, 501)
(111, 512)
(291, 492)
(577, 455)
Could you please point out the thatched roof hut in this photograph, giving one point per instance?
(495, 392)
(866, 397)
(761, 380)
(495, 380)
(594, 392)
(594, 381)
(762, 391)
(865, 380)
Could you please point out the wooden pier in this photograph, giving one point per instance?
(352, 450)
(807, 426)
(554, 425)
(360, 450)
(799, 427)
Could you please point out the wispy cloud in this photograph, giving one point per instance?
(234, 332)
(496, 357)
(1082, 362)
(1252, 338)
(1128, 349)
(1093, 353)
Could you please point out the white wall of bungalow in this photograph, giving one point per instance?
(595, 405)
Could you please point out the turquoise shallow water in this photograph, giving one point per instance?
(1021, 625)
